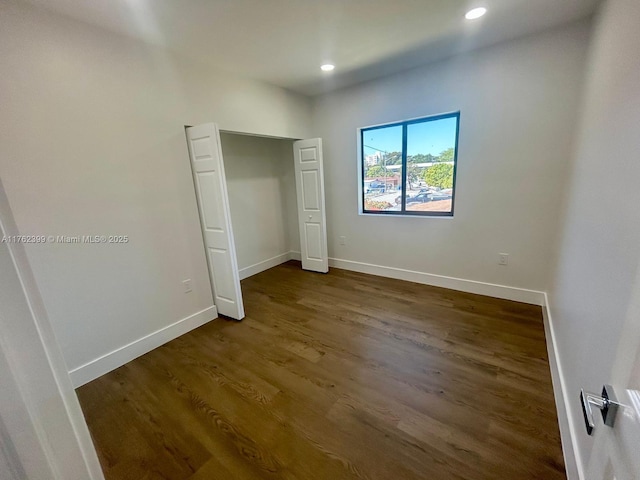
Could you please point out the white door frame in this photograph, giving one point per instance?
(43, 433)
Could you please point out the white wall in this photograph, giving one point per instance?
(599, 240)
(92, 142)
(262, 197)
(519, 104)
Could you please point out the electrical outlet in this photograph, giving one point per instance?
(503, 259)
(187, 285)
(342, 240)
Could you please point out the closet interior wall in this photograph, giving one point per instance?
(262, 198)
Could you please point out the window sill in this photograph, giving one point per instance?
(382, 215)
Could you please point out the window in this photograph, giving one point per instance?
(409, 168)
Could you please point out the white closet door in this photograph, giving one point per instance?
(213, 203)
(311, 210)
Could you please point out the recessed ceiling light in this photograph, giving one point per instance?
(475, 13)
(327, 67)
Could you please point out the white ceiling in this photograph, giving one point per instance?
(284, 42)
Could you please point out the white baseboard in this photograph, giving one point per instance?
(572, 457)
(293, 255)
(470, 286)
(112, 360)
(264, 265)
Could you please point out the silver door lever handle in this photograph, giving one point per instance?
(606, 403)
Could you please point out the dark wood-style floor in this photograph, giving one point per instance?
(337, 376)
